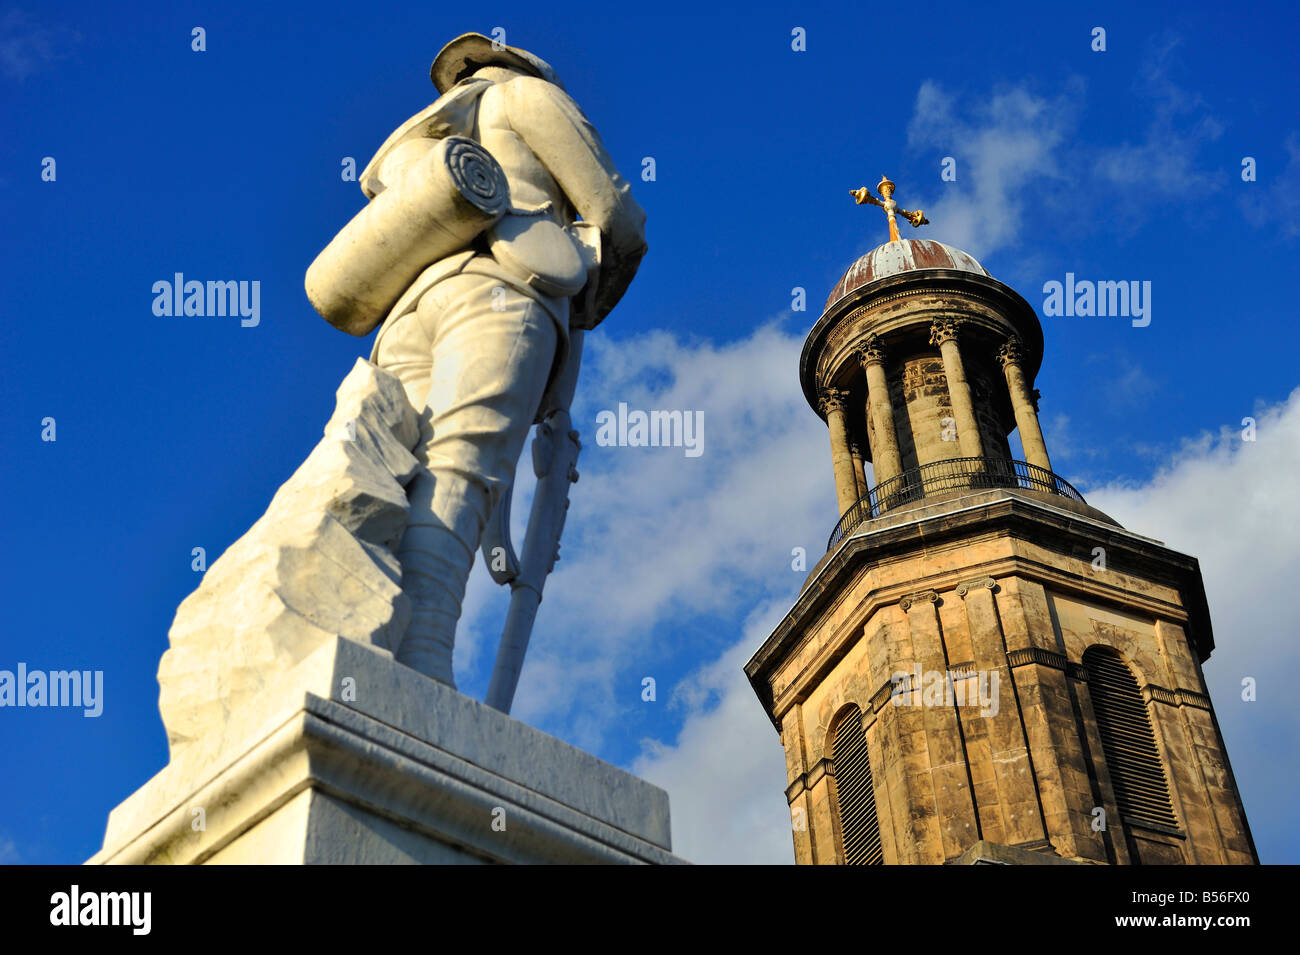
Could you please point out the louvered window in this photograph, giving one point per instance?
(859, 827)
(1138, 778)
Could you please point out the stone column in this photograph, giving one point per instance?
(821, 813)
(943, 332)
(1008, 796)
(846, 488)
(1022, 403)
(884, 455)
(933, 751)
(859, 472)
(796, 790)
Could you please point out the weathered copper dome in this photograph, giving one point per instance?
(904, 255)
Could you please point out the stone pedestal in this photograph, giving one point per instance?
(352, 757)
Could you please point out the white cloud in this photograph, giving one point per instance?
(656, 542)
(726, 773)
(1008, 148)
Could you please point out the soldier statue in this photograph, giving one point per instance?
(481, 300)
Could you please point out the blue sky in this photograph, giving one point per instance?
(225, 164)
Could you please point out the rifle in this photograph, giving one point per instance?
(555, 451)
(555, 456)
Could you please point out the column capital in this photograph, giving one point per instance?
(831, 400)
(871, 352)
(966, 586)
(1011, 352)
(924, 596)
(944, 330)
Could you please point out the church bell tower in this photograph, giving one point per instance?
(982, 668)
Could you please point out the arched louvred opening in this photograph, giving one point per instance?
(1129, 743)
(854, 796)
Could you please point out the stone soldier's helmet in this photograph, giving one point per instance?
(465, 54)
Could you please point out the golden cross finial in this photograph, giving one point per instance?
(886, 188)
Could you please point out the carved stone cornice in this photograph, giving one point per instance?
(1192, 698)
(823, 767)
(1159, 694)
(922, 597)
(868, 720)
(882, 696)
(852, 320)
(1027, 655)
(832, 400)
(966, 586)
(1011, 352)
(870, 352)
(805, 782)
(1176, 697)
(943, 330)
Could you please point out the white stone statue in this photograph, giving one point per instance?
(498, 230)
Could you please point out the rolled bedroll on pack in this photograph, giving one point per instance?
(440, 206)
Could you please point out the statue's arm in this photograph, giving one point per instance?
(566, 143)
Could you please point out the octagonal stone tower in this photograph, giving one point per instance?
(983, 667)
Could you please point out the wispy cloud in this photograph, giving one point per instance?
(1166, 162)
(1124, 383)
(1008, 148)
(28, 46)
(1020, 160)
(1274, 198)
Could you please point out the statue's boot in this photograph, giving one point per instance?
(448, 512)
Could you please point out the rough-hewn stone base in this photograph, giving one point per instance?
(355, 758)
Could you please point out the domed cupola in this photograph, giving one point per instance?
(922, 363)
(905, 255)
